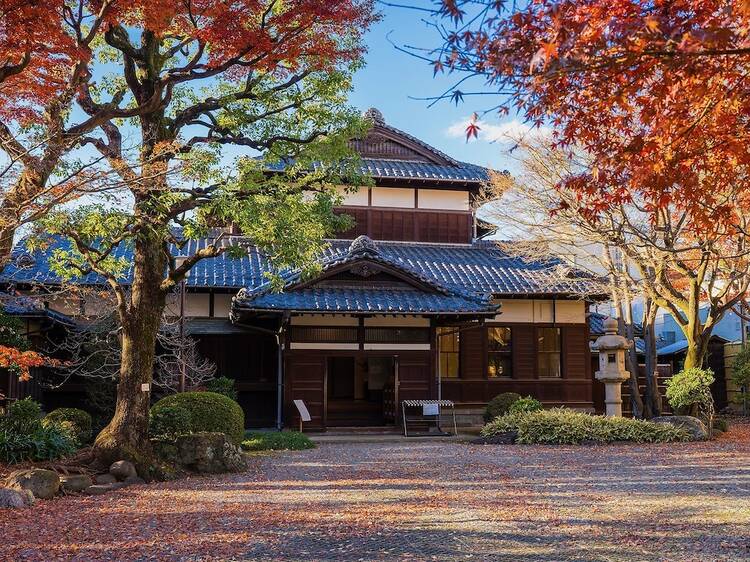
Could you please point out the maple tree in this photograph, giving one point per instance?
(656, 92)
(183, 81)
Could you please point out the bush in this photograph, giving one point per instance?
(24, 416)
(562, 426)
(276, 441)
(721, 424)
(527, 404)
(500, 405)
(169, 422)
(222, 385)
(79, 421)
(45, 442)
(208, 411)
(689, 391)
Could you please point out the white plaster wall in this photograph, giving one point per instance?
(443, 199)
(196, 305)
(401, 197)
(358, 198)
(222, 305)
(541, 311)
(570, 312)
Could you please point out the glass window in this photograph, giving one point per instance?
(448, 350)
(548, 352)
(499, 352)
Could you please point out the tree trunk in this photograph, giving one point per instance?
(17, 199)
(126, 435)
(631, 357)
(652, 403)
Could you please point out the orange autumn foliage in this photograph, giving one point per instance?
(22, 361)
(657, 91)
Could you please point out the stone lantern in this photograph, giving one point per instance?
(612, 373)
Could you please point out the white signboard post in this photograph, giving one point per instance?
(304, 415)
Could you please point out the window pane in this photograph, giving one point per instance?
(549, 339)
(448, 351)
(499, 365)
(499, 339)
(499, 356)
(549, 365)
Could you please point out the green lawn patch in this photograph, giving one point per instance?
(276, 441)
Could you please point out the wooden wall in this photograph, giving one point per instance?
(474, 388)
(409, 225)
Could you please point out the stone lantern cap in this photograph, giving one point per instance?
(611, 340)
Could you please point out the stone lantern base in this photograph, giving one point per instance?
(612, 393)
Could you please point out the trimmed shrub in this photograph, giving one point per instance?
(500, 405)
(561, 426)
(276, 441)
(222, 385)
(741, 368)
(208, 411)
(169, 422)
(690, 388)
(527, 404)
(78, 420)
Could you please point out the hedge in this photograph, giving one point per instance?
(208, 411)
(562, 426)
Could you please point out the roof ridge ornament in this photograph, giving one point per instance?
(363, 245)
(374, 115)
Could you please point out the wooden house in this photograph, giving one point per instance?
(411, 303)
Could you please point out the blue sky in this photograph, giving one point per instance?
(392, 78)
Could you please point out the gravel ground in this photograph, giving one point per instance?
(418, 501)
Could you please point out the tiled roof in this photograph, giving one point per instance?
(383, 168)
(425, 294)
(353, 300)
(28, 307)
(479, 268)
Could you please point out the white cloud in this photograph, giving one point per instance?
(502, 133)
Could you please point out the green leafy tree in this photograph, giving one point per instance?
(270, 78)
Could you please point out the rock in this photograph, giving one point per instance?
(15, 498)
(99, 489)
(72, 483)
(209, 453)
(134, 480)
(122, 470)
(105, 479)
(695, 427)
(44, 484)
(504, 438)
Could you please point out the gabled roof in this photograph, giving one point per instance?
(416, 293)
(388, 153)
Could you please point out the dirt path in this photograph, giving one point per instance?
(422, 501)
